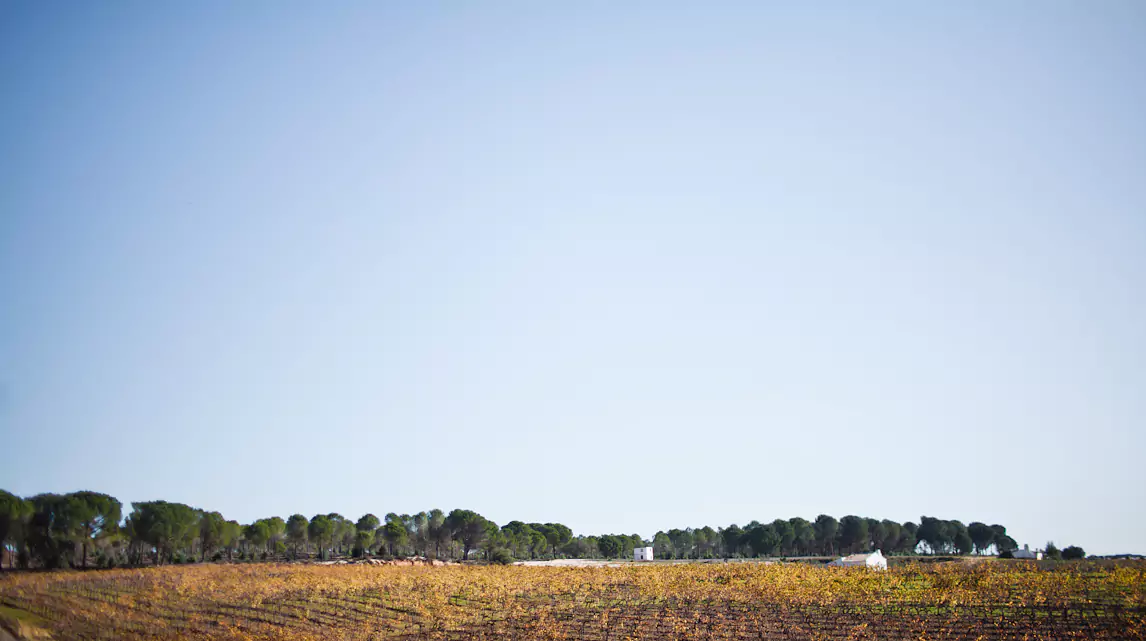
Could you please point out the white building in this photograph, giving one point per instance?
(1026, 553)
(873, 560)
(642, 554)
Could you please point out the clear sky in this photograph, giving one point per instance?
(627, 266)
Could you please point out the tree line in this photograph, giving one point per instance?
(827, 536)
(82, 529)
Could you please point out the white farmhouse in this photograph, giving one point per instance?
(643, 554)
(1026, 553)
(873, 560)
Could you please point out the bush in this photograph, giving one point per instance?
(500, 556)
(1073, 552)
(1006, 554)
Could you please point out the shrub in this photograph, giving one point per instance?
(1073, 552)
(500, 556)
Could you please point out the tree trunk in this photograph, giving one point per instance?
(84, 553)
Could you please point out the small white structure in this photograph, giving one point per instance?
(1026, 553)
(643, 554)
(873, 560)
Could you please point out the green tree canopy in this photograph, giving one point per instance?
(257, 534)
(437, 530)
(892, 535)
(1073, 552)
(467, 526)
(232, 531)
(876, 532)
(395, 534)
(853, 533)
(519, 538)
(211, 525)
(320, 530)
(556, 534)
(94, 516)
(368, 523)
(341, 530)
(163, 526)
(825, 530)
(363, 541)
(763, 539)
(276, 529)
(936, 534)
(51, 530)
(802, 535)
(733, 537)
(786, 534)
(982, 536)
(296, 531)
(14, 515)
(609, 546)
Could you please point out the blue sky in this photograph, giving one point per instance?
(629, 267)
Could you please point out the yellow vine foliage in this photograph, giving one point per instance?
(298, 602)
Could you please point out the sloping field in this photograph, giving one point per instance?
(711, 601)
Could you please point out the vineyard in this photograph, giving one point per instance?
(989, 600)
